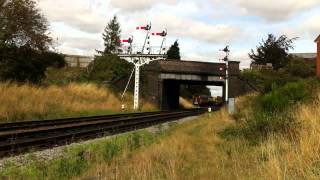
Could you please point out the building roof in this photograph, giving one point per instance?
(317, 39)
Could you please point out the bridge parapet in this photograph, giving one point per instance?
(193, 67)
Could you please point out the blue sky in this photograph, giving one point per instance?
(201, 26)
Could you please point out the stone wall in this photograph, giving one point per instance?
(78, 61)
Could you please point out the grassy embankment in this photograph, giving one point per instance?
(29, 102)
(211, 147)
(202, 149)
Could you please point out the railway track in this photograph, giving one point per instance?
(21, 137)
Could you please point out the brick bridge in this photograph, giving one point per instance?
(163, 80)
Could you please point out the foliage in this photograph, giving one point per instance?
(283, 97)
(295, 70)
(24, 42)
(78, 159)
(64, 76)
(271, 112)
(53, 59)
(22, 24)
(174, 51)
(21, 64)
(299, 67)
(109, 68)
(187, 91)
(2, 23)
(111, 36)
(274, 50)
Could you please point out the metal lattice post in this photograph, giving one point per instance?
(139, 59)
(227, 79)
(136, 87)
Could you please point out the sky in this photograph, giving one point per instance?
(202, 27)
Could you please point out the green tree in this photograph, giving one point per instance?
(187, 91)
(24, 42)
(21, 64)
(108, 68)
(174, 51)
(111, 36)
(274, 50)
(2, 23)
(23, 25)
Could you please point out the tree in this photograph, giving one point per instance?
(111, 36)
(174, 51)
(2, 23)
(108, 68)
(273, 50)
(24, 42)
(187, 91)
(21, 64)
(23, 25)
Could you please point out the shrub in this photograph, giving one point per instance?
(271, 113)
(23, 64)
(300, 68)
(53, 59)
(109, 68)
(280, 98)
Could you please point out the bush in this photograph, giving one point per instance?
(53, 59)
(281, 98)
(109, 68)
(300, 68)
(271, 113)
(23, 64)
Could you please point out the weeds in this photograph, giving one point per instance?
(80, 158)
(28, 102)
(270, 113)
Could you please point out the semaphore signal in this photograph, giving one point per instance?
(226, 60)
(140, 58)
(163, 34)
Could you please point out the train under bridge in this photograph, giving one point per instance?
(163, 80)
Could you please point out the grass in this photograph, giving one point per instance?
(28, 102)
(193, 150)
(185, 103)
(65, 75)
(77, 159)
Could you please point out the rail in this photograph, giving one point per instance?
(20, 137)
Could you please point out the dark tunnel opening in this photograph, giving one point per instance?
(172, 90)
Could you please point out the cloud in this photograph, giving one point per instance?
(272, 10)
(140, 5)
(311, 26)
(79, 45)
(83, 15)
(308, 28)
(189, 28)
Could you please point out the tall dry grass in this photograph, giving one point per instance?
(195, 150)
(185, 103)
(25, 102)
(297, 158)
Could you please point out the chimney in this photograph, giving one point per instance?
(318, 55)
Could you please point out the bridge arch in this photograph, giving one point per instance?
(163, 80)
